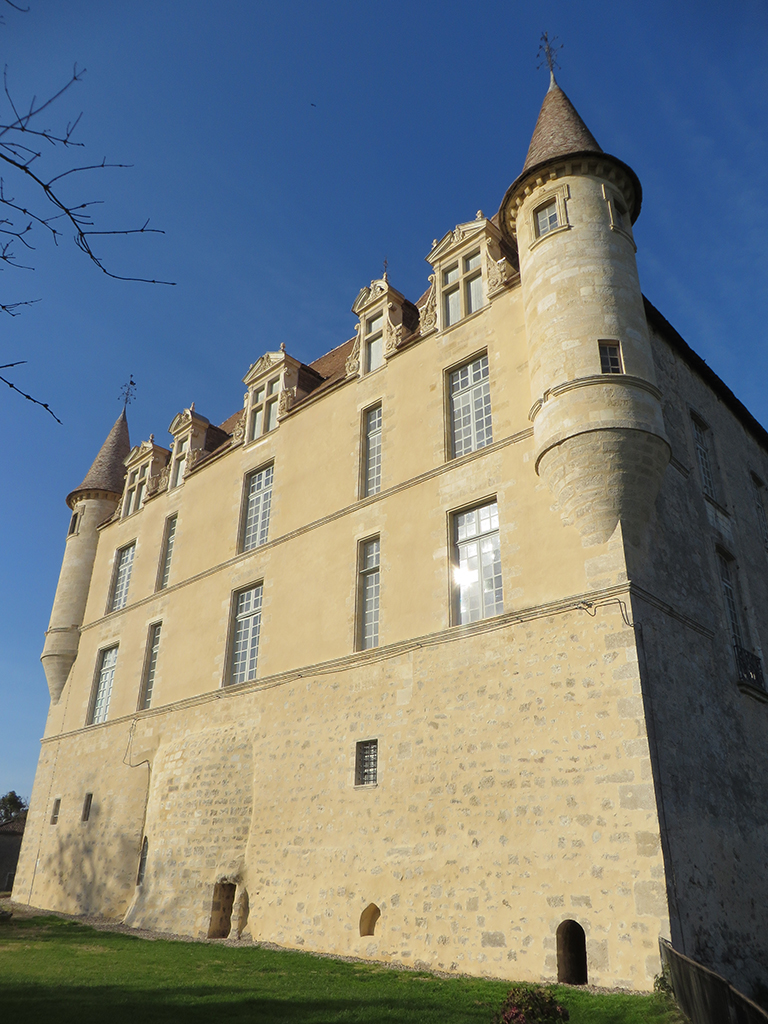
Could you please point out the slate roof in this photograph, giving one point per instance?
(107, 472)
(559, 130)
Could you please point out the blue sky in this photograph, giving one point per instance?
(286, 150)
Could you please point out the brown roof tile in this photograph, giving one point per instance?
(107, 472)
(559, 130)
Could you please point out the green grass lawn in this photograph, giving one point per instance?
(62, 971)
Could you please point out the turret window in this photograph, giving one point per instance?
(610, 357)
(546, 218)
(103, 691)
(122, 578)
(74, 524)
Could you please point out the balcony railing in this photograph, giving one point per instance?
(750, 668)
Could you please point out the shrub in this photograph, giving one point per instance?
(530, 1005)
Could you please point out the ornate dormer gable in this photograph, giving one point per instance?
(143, 464)
(190, 431)
(275, 382)
(471, 269)
(386, 322)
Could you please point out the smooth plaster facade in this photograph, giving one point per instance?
(588, 755)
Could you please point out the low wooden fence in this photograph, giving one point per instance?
(704, 996)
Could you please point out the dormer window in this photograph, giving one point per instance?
(136, 490)
(180, 450)
(546, 218)
(374, 343)
(462, 289)
(263, 416)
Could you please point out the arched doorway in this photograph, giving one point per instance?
(571, 954)
(368, 919)
(221, 910)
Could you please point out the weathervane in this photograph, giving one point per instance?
(547, 54)
(127, 391)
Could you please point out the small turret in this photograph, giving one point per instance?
(92, 502)
(598, 427)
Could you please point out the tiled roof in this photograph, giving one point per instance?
(559, 130)
(108, 470)
(14, 827)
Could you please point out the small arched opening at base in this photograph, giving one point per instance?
(368, 919)
(221, 910)
(142, 862)
(571, 954)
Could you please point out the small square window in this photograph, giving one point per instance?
(546, 218)
(366, 762)
(610, 357)
(87, 803)
(56, 810)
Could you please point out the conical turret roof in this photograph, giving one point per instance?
(108, 470)
(559, 130)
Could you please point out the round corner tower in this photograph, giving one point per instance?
(92, 502)
(598, 427)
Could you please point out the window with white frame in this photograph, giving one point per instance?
(374, 343)
(263, 417)
(758, 489)
(470, 399)
(245, 640)
(546, 218)
(104, 678)
(610, 357)
(704, 457)
(166, 552)
(369, 586)
(477, 564)
(728, 583)
(150, 666)
(372, 452)
(462, 289)
(366, 762)
(122, 577)
(135, 489)
(180, 449)
(258, 503)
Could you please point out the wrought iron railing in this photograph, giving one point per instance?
(750, 668)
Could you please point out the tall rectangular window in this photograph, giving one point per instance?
(477, 564)
(701, 437)
(179, 461)
(610, 357)
(462, 289)
(368, 600)
(166, 554)
(470, 397)
(473, 284)
(134, 495)
(728, 583)
(247, 627)
(55, 811)
(263, 415)
(258, 503)
(372, 470)
(104, 680)
(150, 666)
(122, 577)
(87, 804)
(374, 343)
(366, 762)
(758, 488)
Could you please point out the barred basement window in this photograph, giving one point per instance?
(477, 564)
(470, 398)
(87, 804)
(366, 762)
(122, 578)
(368, 596)
(55, 811)
(150, 666)
(258, 504)
(701, 437)
(142, 862)
(104, 679)
(610, 357)
(247, 628)
(167, 552)
(372, 467)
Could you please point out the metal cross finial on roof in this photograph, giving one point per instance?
(127, 391)
(547, 54)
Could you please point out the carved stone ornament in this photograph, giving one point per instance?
(153, 485)
(261, 364)
(352, 364)
(393, 333)
(238, 434)
(163, 477)
(193, 457)
(287, 400)
(499, 273)
(428, 313)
